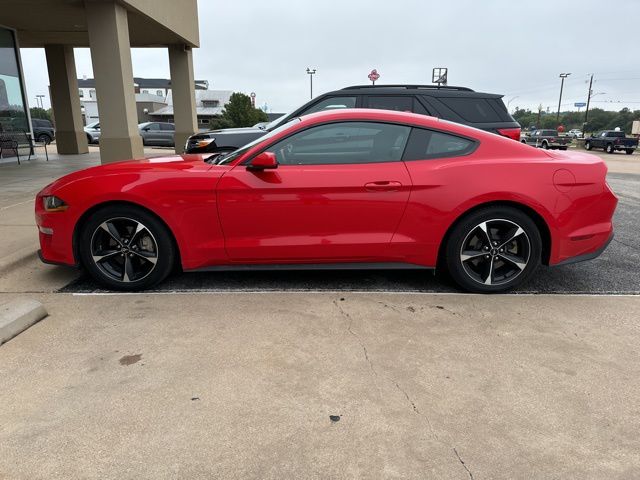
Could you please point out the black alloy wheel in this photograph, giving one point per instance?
(493, 250)
(126, 248)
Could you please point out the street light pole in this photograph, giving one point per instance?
(311, 73)
(562, 76)
(586, 112)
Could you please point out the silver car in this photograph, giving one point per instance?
(93, 132)
(157, 133)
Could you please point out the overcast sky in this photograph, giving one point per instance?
(514, 48)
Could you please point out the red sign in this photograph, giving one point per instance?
(374, 75)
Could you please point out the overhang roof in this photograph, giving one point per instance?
(152, 23)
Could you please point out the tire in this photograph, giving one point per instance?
(629, 151)
(545, 145)
(89, 139)
(587, 145)
(44, 138)
(491, 271)
(110, 233)
(562, 148)
(609, 148)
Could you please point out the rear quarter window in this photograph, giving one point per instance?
(477, 110)
(426, 144)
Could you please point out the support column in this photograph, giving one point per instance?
(65, 101)
(184, 95)
(111, 59)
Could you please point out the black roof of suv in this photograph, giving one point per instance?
(457, 104)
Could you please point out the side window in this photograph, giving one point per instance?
(332, 103)
(153, 126)
(419, 108)
(167, 126)
(398, 103)
(343, 143)
(426, 144)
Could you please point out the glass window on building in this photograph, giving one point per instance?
(13, 114)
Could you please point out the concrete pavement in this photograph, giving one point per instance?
(242, 386)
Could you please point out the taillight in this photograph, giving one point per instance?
(512, 133)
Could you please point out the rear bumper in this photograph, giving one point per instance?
(586, 256)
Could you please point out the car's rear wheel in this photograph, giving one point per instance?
(44, 138)
(545, 145)
(609, 148)
(493, 250)
(126, 248)
(629, 151)
(563, 148)
(587, 145)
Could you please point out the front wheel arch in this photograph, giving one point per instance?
(86, 215)
(543, 228)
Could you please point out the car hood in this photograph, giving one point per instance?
(177, 165)
(230, 131)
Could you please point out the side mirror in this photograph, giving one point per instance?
(263, 161)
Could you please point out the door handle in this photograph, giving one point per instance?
(383, 186)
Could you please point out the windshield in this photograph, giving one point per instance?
(277, 122)
(231, 156)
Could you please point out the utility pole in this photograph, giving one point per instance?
(562, 76)
(586, 112)
(311, 73)
(539, 113)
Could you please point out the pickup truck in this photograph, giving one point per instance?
(547, 139)
(611, 141)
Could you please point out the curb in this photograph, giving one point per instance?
(18, 315)
(19, 257)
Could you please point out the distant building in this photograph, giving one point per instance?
(209, 104)
(151, 94)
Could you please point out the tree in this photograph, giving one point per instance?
(240, 113)
(37, 112)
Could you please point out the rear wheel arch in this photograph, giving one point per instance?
(119, 203)
(541, 224)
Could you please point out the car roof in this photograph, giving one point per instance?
(429, 90)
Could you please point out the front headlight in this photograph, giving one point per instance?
(51, 203)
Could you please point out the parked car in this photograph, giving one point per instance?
(157, 133)
(340, 189)
(547, 139)
(611, 141)
(43, 130)
(457, 104)
(92, 130)
(574, 133)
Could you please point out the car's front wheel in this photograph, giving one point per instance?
(126, 248)
(493, 250)
(609, 148)
(629, 151)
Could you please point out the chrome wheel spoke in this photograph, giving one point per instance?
(110, 228)
(139, 228)
(471, 254)
(148, 256)
(484, 228)
(518, 262)
(129, 273)
(99, 256)
(519, 232)
(489, 279)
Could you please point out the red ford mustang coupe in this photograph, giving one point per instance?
(339, 189)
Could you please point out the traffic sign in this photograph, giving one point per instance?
(373, 76)
(580, 104)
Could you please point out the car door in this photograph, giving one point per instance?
(338, 194)
(151, 134)
(167, 132)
